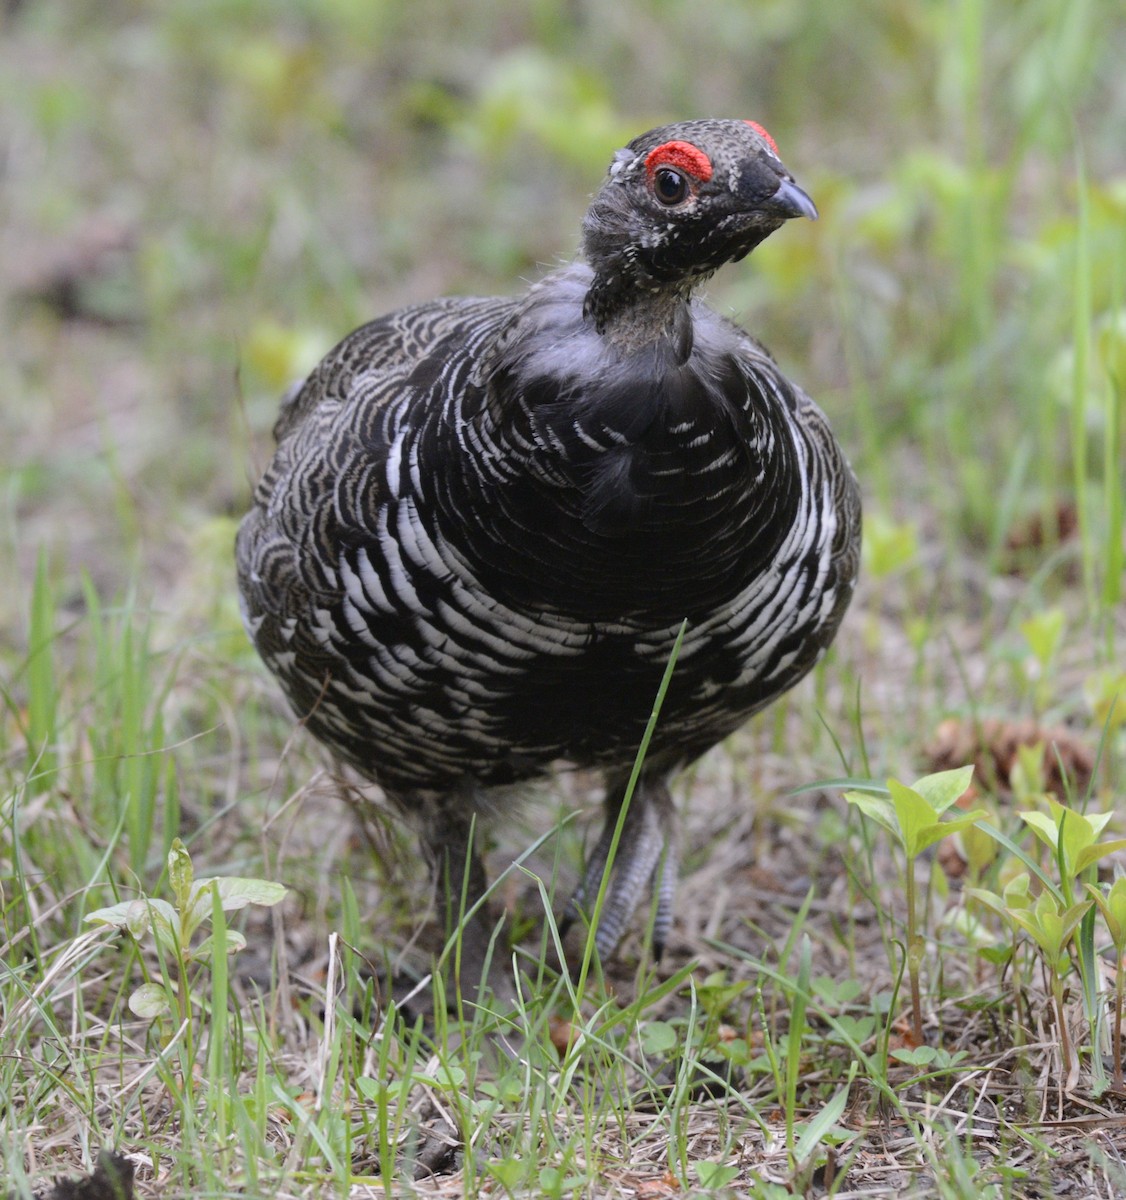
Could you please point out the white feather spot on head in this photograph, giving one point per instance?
(621, 157)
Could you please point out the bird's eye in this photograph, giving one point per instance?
(669, 186)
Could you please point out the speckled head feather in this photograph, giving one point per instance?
(679, 202)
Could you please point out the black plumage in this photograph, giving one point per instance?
(487, 519)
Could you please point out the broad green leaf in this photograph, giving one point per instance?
(1098, 821)
(888, 545)
(1112, 905)
(1027, 774)
(450, 1077)
(962, 920)
(1049, 926)
(879, 809)
(235, 942)
(280, 354)
(1042, 631)
(1021, 855)
(510, 1173)
(1116, 899)
(930, 834)
(137, 917)
(1028, 922)
(917, 818)
(235, 892)
(913, 814)
(551, 1180)
(149, 1001)
(980, 849)
(1072, 916)
(1092, 854)
(1105, 693)
(1018, 891)
(989, 899)
(714, 1175)
(1077, 831)
(920, 1056)
(659, 1038)
(737, 1051)
(116, 915)
(165, 924)
(943, 788)
(1043, 826)
(717, 993)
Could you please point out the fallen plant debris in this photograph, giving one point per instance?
(1028, 540)
(992, 745)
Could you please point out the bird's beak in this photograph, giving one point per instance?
(790, 201)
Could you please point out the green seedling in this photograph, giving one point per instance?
(713, 1175)
(1073, 839)
(1112, 905)
(1105, 693)
(1051, 924)
(1043, 632)
(913, 817)
(889, 545)
(1052, 919)
(1026, 776)
(173, 926)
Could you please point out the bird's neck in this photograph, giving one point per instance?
(633, 315)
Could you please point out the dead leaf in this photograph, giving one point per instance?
(1028, 540)
(992, 744)
(654, 1189)
(563, 1035)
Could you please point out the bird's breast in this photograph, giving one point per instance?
(646, 494)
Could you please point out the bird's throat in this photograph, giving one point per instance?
(634, 319)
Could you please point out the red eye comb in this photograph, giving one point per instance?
(765, 137)
(683, 155)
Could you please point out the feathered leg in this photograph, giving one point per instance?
(453, 838)
(646, 854)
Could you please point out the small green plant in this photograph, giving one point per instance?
(1073, 839)
(913, 817)
(1052, 918)
(1112, 905)
(1051, 924)
(1043, 632)
(173, 927)
(713, 1175)
(889, 545)
(1105, 693)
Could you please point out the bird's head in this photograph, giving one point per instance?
(682, 200)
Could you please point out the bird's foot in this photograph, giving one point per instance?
(646, 853)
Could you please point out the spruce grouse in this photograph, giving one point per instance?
(486, 520)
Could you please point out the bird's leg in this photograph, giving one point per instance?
(646, 853)
(453, 839)
(668, 876)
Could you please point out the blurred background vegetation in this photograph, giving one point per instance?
(199, 198)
